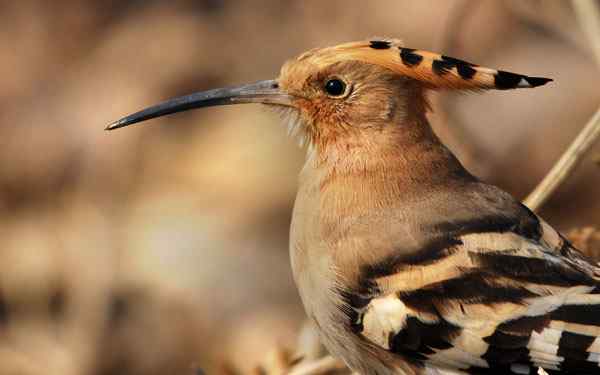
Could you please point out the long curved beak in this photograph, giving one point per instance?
(266, 92)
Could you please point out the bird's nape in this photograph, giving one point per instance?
(266, 92)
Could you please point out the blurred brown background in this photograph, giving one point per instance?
(161, 248)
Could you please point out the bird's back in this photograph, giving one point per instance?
(492, 297)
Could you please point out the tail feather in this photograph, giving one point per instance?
(561, 345)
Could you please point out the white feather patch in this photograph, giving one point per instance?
(384, 316)
(546, 341)
(594, 357)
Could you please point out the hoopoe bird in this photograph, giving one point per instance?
(407, 263)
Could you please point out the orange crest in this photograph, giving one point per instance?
(435, 71)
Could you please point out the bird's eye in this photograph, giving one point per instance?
(335, 87)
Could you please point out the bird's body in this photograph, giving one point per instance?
(455, 275)
(407, 263)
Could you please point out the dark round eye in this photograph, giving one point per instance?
(335, 87)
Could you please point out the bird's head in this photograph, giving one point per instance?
(350, 89)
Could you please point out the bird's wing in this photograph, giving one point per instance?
(497, 300)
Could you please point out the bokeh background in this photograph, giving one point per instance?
(162, 248)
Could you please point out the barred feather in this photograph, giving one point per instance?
(496, 299)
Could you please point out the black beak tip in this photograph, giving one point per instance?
(116, 125)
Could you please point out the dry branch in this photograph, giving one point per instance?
(588, 17)
(320, 366)
(566, 164)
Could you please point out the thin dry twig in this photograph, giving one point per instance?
(318, 367)
(566, 164)
(588, 16)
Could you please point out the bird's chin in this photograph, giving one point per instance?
(291, 117)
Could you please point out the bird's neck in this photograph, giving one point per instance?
(389, 163)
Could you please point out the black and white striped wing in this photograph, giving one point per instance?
(497, 300)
